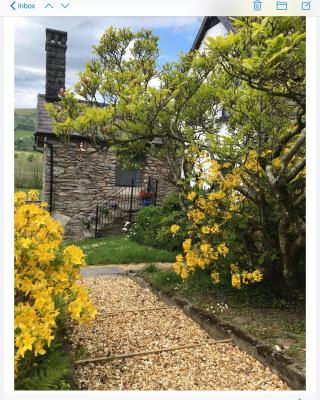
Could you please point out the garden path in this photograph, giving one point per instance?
(212, 367)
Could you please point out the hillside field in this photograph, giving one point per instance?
(27, 162)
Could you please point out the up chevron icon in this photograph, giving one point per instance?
(49, 6)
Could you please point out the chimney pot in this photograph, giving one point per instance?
(56, 46)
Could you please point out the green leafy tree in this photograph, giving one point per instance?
(259, 77)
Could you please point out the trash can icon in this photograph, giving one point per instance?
(257, 5)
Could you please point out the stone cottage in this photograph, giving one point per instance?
(86, 190)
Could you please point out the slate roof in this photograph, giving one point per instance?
(43, 122)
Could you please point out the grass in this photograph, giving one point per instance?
(118, 249)
(22, 133)
(254, 309)
(26, 154)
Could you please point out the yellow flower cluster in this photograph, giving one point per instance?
(174, 229)
(251, 163)
(213, 174)
(277, 163)
(215, 275)
(191, 196)
(243, 277)
(44, 277)
(196, 216)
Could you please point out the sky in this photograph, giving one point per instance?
(176, 35)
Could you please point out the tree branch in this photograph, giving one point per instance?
(295, 170)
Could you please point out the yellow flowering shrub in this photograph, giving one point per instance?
(214, 206)
(46, 287)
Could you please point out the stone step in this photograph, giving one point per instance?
(113, 227)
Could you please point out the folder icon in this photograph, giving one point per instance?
(282, 5)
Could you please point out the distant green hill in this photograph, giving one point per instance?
(24, 128)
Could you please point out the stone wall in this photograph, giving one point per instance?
(160, 171)
(83, 179)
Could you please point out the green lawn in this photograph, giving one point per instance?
(121, 250)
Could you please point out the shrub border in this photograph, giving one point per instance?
(219, 329)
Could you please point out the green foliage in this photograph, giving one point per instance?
(150, 268)
(151, 225)
(164, 279)
(49, 372)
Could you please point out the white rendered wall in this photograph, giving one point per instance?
(217, 30)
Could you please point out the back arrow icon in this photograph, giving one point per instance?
(12, 5)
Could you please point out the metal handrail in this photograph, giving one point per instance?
(115, 204)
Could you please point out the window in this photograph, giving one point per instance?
(124, 177)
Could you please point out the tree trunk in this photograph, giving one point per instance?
(291, 252)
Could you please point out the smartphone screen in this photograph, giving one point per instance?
(159, 199)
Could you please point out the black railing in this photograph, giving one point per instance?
(123, 203)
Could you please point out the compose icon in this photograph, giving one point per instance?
(306, 5)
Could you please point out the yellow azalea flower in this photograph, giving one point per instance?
(216, 196)
(184, 273)
(222, 249)
(74, 255)
(234, 268)
(33, 195)
(174, 229)
(191, 196)
(187, 245)
(196, 216)
(179, 258)
(215, 275)
(277, 163)
(215, 228)
(236, 281)
(205, 248)
(205, 230)
(19, 198)
(39, 349)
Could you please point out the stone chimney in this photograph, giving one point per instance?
(56, 46)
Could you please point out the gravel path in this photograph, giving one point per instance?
(215, 367)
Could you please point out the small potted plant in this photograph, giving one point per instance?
(145, 197)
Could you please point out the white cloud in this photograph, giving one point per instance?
(155, 82)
